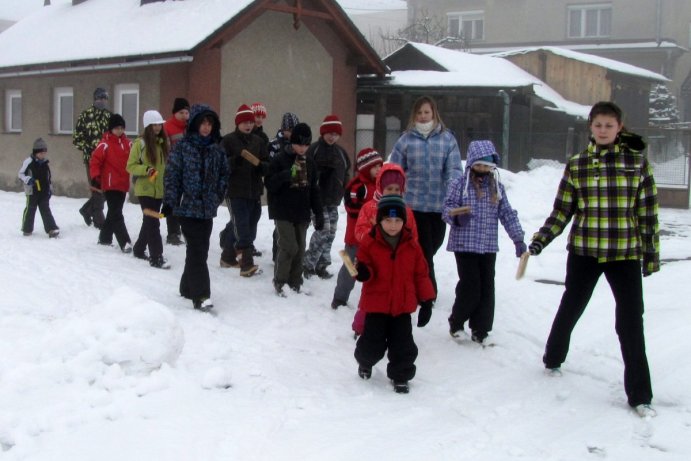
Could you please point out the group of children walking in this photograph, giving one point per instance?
(396, 215)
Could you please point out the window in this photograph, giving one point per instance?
(585, 21)
(469, 25)
(126, 103)
(63, 110)
(13, 111)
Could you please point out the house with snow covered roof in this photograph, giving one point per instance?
(299, 56)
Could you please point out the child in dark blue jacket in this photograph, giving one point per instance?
(35, 175)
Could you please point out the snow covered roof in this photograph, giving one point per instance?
(607, 63)
(98, 29)
(472, 70)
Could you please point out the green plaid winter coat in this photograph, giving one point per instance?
(612, 197)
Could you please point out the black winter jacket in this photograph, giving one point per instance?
(246, 180)
(333, 166)
(292, 202)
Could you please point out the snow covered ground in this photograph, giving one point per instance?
(102, 360)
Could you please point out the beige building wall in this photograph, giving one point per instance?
(67, 167)
(291, 72)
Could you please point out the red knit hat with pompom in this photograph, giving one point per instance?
(331, 124)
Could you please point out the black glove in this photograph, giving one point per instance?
(319, 221)
(96, 183)
(166, 210)
(361, 192)
(425, 313)
(363, 273)
(520, 248)
(30, 182)
(535, 248)
(650, 264)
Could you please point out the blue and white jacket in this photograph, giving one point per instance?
(197, 172)
(429, 163)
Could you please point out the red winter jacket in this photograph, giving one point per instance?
(108, 162)
(175, 130)
(353, 203)
(368, 213)
(399, 277)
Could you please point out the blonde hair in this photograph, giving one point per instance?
(416, 107)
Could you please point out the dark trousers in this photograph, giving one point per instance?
(195, 282)
(291, 251)
(345, 282)
(94, 206)
(382, 332)
(474, 293)
(624, 278)
(115, 221)
(431, 232)
(173, 225)
(150, 233)
(241, 230)
(42, 203)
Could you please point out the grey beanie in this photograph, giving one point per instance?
(40, 146)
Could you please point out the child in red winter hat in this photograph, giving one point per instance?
(359, 191)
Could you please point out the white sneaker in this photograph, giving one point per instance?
(645, 410)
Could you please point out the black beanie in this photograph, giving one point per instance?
(179, 104)
(391, 206)
(301, 134)
(115, 120)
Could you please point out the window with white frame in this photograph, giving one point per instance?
(593, 20)
(126, 103)
(469, 25)
(13, 111)
(63, 110)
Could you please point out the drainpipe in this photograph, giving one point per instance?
(505, 129)
(658, 22)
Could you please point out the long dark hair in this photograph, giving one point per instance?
(151, 140)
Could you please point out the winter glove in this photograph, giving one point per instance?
(30, 182)
(361, 192)
(650, 264)
(96, 183)
(166, 210)
(535, 248)
(425, 313)
(319, 221)
(463, 219)
(363, 273)
(520, 248)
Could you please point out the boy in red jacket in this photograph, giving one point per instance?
(359, 191)
(395, 275)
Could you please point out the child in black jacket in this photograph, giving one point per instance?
(35, 175)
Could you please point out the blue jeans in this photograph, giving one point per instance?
(241, 230)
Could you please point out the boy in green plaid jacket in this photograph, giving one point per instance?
(610, 192)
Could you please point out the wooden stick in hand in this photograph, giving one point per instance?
(522, 264)
(152, 213)
(348, 263)
(459, 211)
(250, 157)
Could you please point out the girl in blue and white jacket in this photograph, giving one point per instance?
(473, 237)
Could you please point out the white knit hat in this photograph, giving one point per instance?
(152, 117)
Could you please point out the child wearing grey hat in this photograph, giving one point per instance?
(35, 175)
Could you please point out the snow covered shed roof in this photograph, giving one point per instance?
(441, 67)
(610, 64)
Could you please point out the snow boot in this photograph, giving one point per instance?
(247, 266)
(364, 372)
(401, 387)
(54, 233)
(174, 239)
(159, 262)
(229, 258)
